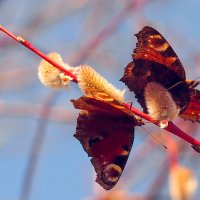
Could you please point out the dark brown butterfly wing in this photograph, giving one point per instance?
(106, 134)
(192, 112)
(155, 60)
(108, 141)
(152, 46)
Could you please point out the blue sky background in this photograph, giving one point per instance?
(63, 170)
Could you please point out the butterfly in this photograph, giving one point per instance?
(155, 63)
(105, 128)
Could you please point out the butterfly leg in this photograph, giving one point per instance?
(131, 104)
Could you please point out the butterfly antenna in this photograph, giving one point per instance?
(173, 86)
(195, 80)
(193, 93)
(183, 108)
(156, 139)
(196, 83)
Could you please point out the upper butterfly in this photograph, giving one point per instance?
(157, 78)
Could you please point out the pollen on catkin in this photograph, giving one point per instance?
(51, 76)
(91, 83)
(160, 104)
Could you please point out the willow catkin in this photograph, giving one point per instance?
(51, 76)
(91, 83)
(159, 102)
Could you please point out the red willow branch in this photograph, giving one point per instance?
(171, 127)
(39, 53)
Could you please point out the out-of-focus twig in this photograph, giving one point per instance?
(37, 147)
(88, 48)
(32, 110)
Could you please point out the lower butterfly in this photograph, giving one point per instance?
(105, 128)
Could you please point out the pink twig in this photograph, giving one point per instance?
(36, 147)
(39, 53)
(22, 109)
(106, 32)
(176, 131)
(171, 127)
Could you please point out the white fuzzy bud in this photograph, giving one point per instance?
(160, 104)
(51, 76)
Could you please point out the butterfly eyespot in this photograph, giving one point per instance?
(111, 173)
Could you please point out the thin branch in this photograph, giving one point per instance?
(171, 127)
(22, 41)
(86, 50)
(36, 147)
(23, 109)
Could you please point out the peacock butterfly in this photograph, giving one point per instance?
(157, 78)
(105, 128)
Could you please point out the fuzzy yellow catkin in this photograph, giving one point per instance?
(51, 76)
(183, 183)
(91, 83)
